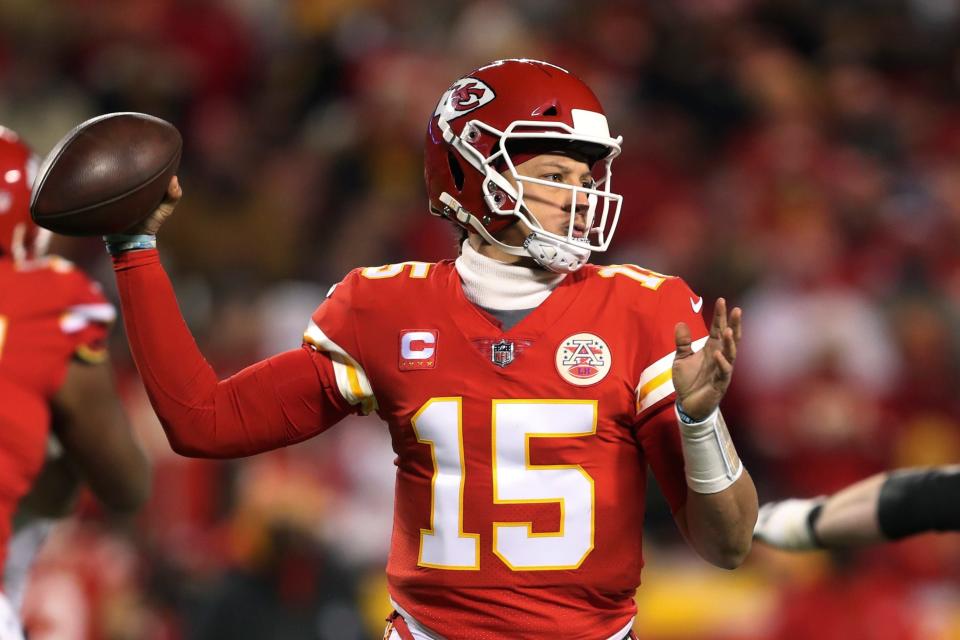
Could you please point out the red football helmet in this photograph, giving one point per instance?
(20, 238)
(497, 117)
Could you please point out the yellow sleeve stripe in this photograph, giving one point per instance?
(90, 355)
(352, 381)
(656, 381)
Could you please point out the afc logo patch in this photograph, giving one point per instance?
(418, 349)
(583, 359)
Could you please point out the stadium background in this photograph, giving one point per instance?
(801, 158)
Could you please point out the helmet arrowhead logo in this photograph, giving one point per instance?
(466, 96)
(463, 97)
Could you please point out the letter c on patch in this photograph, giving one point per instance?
(417, 345)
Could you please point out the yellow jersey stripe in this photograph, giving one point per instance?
(352, 381)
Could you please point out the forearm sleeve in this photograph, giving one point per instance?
(918, 500)
(278, 401)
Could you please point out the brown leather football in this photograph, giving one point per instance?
(106, 175)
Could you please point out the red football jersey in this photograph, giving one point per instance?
(50, 312)
(521, 454)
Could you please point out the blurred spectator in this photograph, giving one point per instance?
(799, 158)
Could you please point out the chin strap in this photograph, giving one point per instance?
(555, 256)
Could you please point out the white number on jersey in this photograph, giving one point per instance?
(647, 278)
(515, 481)
(417, 270)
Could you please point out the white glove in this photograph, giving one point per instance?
(786, 524)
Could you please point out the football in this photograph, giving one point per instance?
(106, 175)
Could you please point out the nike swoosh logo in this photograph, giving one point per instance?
(696, 304)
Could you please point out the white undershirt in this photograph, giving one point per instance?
(492, 284)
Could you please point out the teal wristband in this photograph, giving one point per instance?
(119, 243)
(684, 418)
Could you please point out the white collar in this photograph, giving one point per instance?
(497, 285)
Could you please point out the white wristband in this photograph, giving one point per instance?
(710, 459)
(789, 524)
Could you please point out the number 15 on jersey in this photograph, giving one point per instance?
(445, 545)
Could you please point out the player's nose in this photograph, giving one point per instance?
(579, 202)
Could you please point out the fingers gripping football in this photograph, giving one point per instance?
(701, 378)
(164, 210)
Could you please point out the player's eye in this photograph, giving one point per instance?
(589, 184)
(553, 177)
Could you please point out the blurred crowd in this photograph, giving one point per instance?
(799, 157)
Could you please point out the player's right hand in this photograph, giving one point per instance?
(164, 210)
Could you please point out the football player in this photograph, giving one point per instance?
(56, 388)
(884, 507)
(526, 391)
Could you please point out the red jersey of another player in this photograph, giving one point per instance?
(50, 312)
(521, 454)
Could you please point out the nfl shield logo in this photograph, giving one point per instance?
(501, 353)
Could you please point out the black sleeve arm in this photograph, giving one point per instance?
(919, 500)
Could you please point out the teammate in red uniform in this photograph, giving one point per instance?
(54, 380)
(526, 391)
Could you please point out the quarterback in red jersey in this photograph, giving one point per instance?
(54, 380)
(526, 391)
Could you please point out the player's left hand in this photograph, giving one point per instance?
(702, 378)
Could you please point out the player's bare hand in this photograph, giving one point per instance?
(701, 379)
(164, 210)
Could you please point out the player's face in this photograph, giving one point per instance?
(550, 206)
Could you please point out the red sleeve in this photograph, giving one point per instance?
(660, 440)
(278, 401)
(656, 426)
(333, 331)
